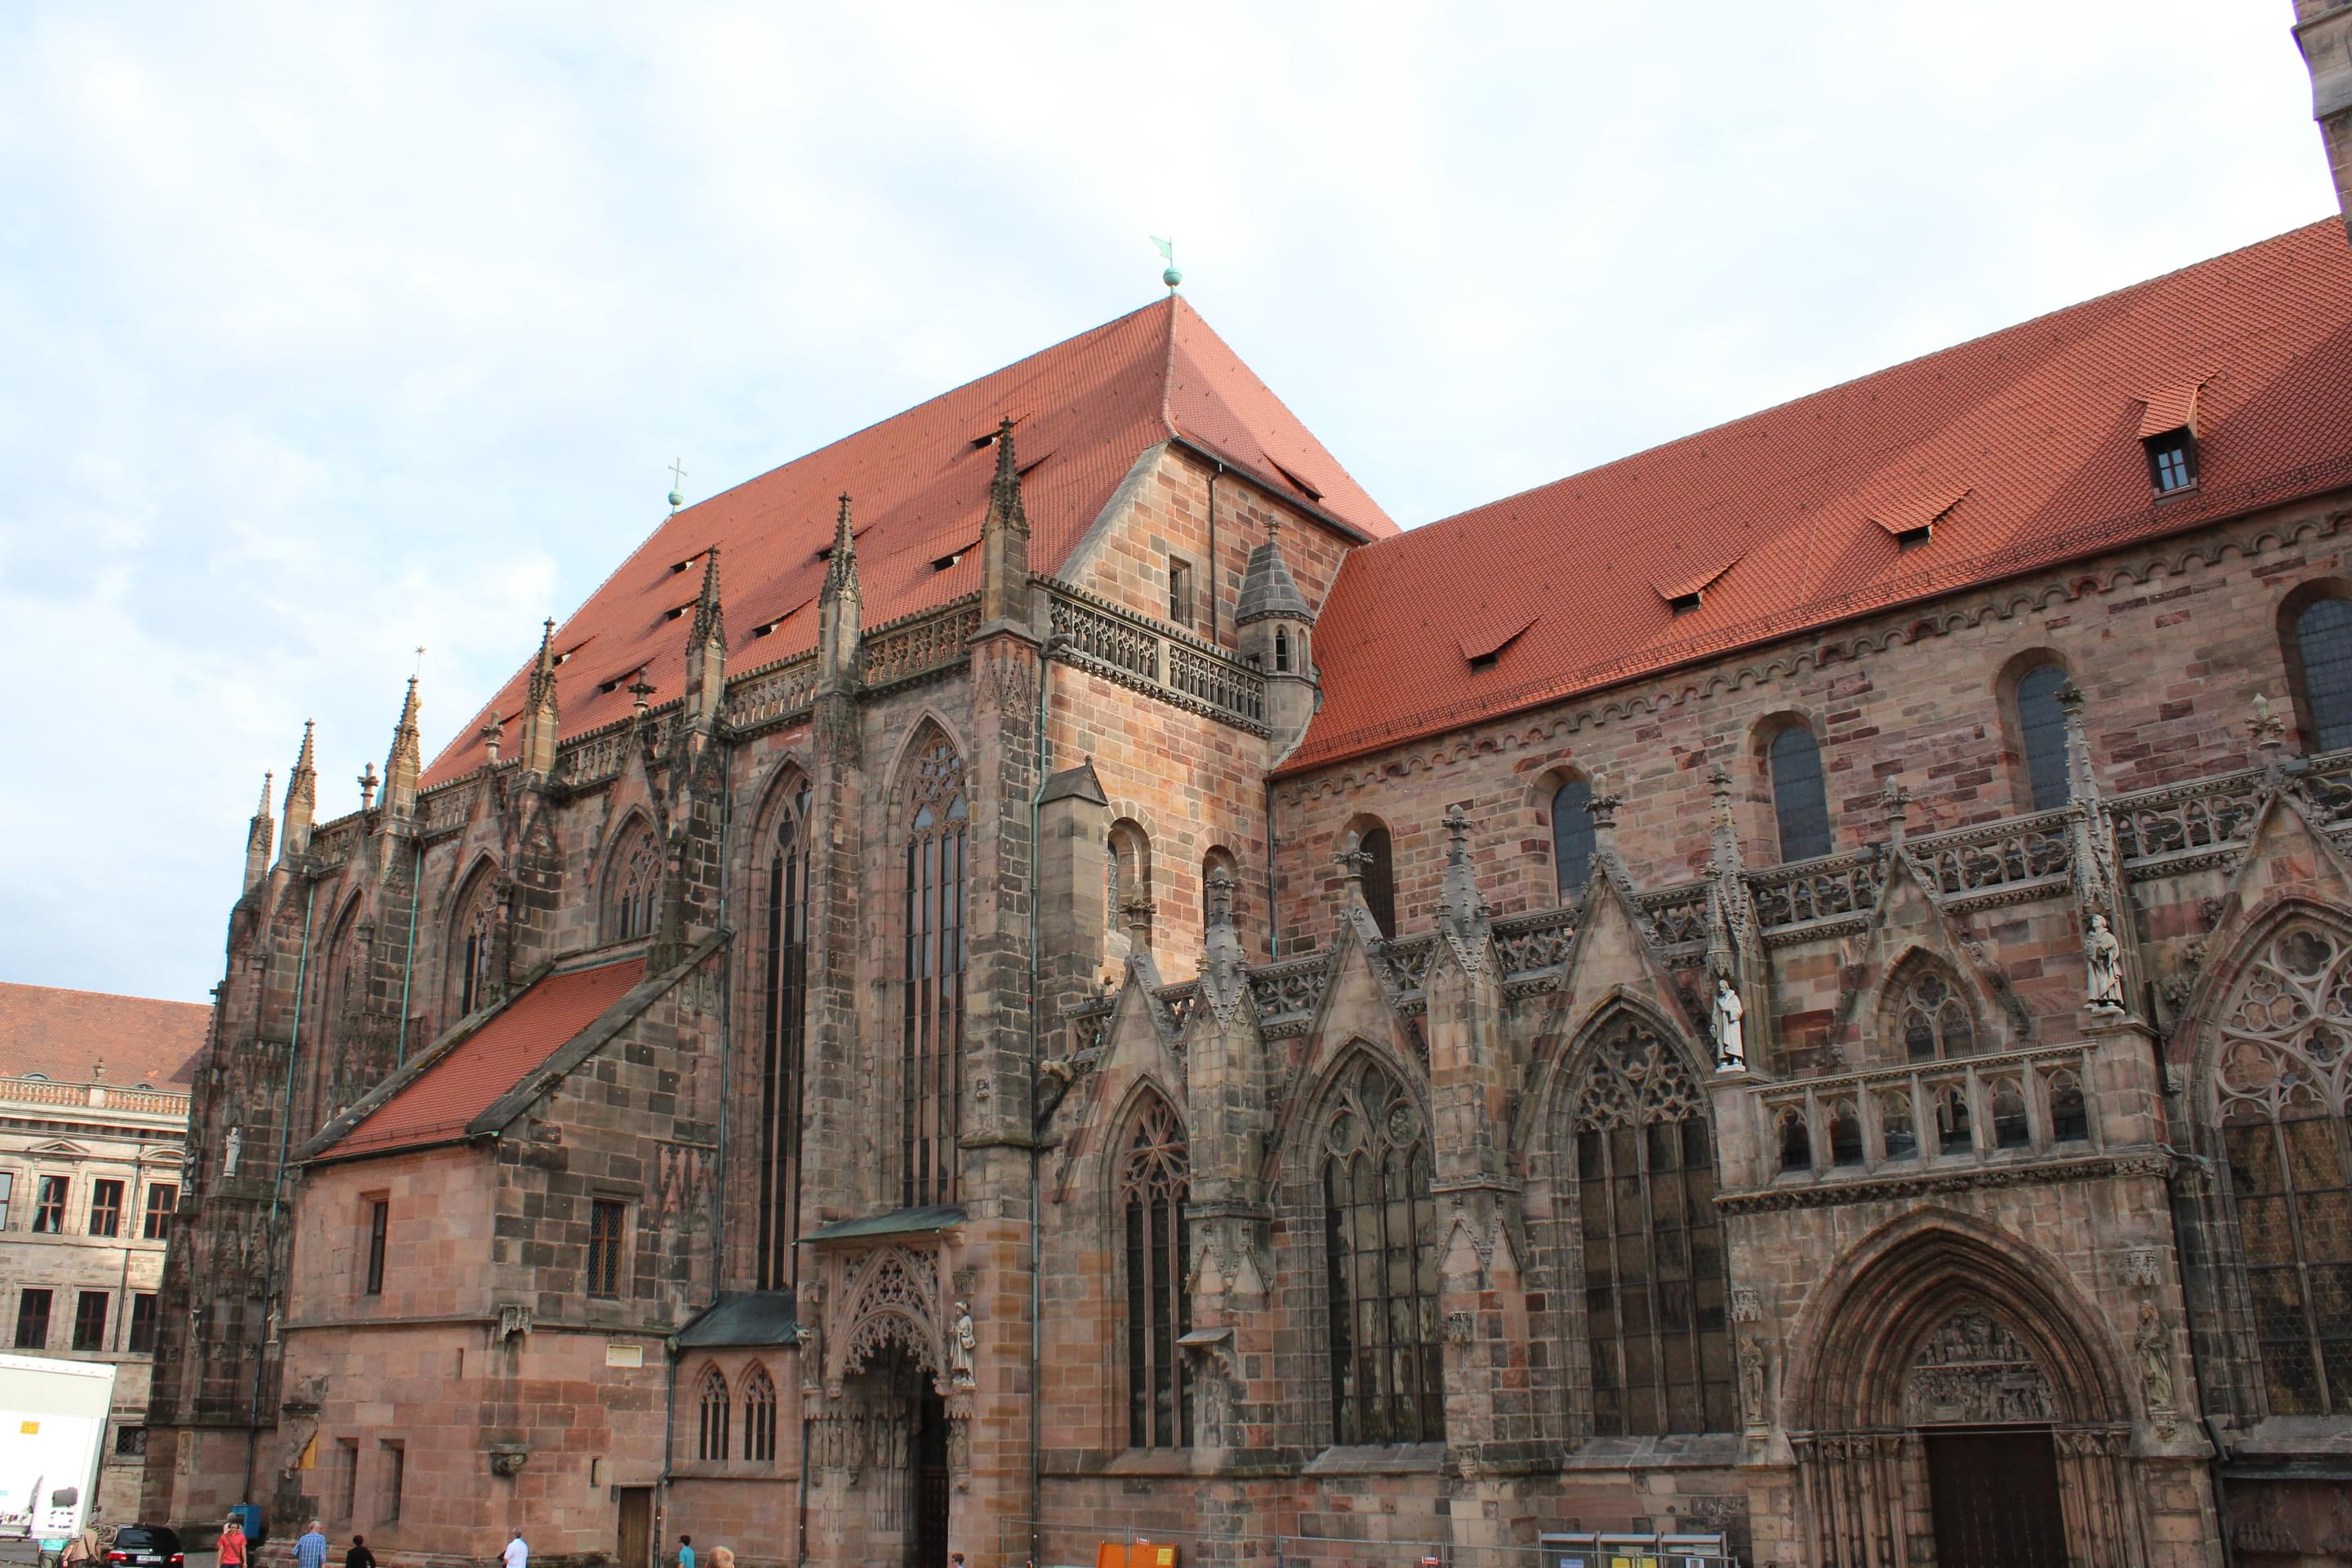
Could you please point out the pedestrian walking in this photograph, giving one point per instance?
(686, 1551)
(233, 1545)
(518, 1551)
(721, 1558)
(358, 1556)
(310, 1547)
(84, 1549)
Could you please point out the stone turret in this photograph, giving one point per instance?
(1004, 541)
(1276, 627)
(301, 799)
(403, 763)
(540, 729)
(838, 608)
(257, 837)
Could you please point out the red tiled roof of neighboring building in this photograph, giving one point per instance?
(2035, 430)
(437, 1104)
(69, 1036)
(1083, 411)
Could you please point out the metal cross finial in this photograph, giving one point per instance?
(677, 483)
(419, 671)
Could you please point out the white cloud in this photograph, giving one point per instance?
(332, 331)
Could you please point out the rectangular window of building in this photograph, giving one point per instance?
(605, 1218)
(396, 1473)
(161, 1200)
(2172, 462)
(32, 1320)
(89, 1320)
(379, 1222)
(49, 1208)
(130, 1441)
(1180, 592)
(347, 1477)
(7, 1190)
(105, 1208)
(144, 1319)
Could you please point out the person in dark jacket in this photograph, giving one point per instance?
(358, 1556)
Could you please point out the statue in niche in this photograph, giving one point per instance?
(2102, 968)
(234, 1153)
(1730, 1040)
(1751, 1380)
(2154, 1359)
(962, 1340)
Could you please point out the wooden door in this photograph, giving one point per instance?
(1995, 1496)
(927, 1542)
(636, 1547)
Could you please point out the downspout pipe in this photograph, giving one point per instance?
(278, 1190)
(1212, 550)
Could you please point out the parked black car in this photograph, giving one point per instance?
(147, 1546)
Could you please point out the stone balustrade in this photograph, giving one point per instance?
(94, 1096)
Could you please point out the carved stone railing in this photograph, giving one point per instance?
(2185, 826)
(334, 842)
(1818, 898)
(1088, 1021)
(1156, 660)
(93, 1097)
(1677, 914)
(1993, 863)
(917, 646)
(1288, 994)
(1403, 963)
(1178, 1002)
(1927, 1116)
(770, 695)
(597, 756)
(1533, 949)
(442, 808)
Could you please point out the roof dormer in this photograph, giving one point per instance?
(2168, 434)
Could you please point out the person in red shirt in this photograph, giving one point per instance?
(232, 1544)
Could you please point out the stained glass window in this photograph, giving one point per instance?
(1151, 1191)
(783, 976)
(2042, 734)
(931, 1042)
(1800, 801)
(1571, 837)
(1388, 1382)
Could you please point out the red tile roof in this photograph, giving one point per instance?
(1086, 409)
(67, 1035)
(2034, 429)
(437, 1104)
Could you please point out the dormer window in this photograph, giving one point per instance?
(2168, 434)
(2171, 460)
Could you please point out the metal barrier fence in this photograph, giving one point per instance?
(1077, 1545)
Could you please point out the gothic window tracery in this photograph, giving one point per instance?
(1654, 1292)
(1153, 1181)
(2323, 662)
(1929, 1015)
(1380, 1259)
(783, 1020)
(474, 940)
(932, 1041)
(759, 1417)
(635, 882)
(2281, 1073)
(715, 1416)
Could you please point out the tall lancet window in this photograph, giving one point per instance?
(635, 882)
(932, 1041)
(1573, 837)
(1388, 1382)
(784, 982)
(716, 1409)
(474, 939)
(1654, 1294)
(1151, 1191)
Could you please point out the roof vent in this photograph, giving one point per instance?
(767, 628)
(682, 565)
(1912, 518)
(1484, 648)
(942, 562)
(1297, 483)
(1691, 592)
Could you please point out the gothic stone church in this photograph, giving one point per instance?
(1042, 971)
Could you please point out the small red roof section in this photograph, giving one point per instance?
(918, 483)
(438, 1104)
(2039, 425)
(70, 1036)
(2170, 408)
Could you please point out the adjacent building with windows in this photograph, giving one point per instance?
(93, 1119)
(1797, 985)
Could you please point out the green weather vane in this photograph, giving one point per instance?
(1168, 275)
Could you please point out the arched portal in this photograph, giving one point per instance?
(1947, 1402)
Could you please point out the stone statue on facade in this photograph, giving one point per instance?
(1730, 1041)
(234, 1153)
(962, 1340)
(2155, 1360)
(2103, 967)
(1751, 1382)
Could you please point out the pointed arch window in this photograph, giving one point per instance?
(476, 941)
(1655, 1299)
(759, 1417)
(2042, 734)
(1153, 1181)
(2323, 649)
(715, 1414)
(2281, 1076)
(1281, 650)
(635, 881)
(1380, 1259)
(1571, 837)
(1930, 1016)
(784, 982)
(1380, 877)
(932, 1040)
(1800, 799)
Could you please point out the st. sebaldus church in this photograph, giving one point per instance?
(1044, 973)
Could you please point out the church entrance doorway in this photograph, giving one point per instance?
(635, 1549)
(928, 1541)
(1993, 1496)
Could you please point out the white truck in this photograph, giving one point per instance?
(52, 1435)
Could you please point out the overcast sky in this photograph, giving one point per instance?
(333, 330)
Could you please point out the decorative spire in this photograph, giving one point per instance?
(1895, 799)
(257, 835)
(405, 760)
(841, 570)
(1005, 490)
(302, 796)
(493, 736)
(1353, 859)
(706, 651)
(1224, 965)
(1004, 541)
(540, 729)
(837, 611)
(1465, 910)
(367, 783)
